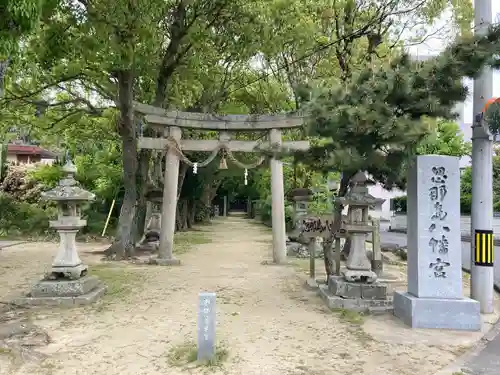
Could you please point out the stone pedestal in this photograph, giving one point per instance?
(434, 298)
(67, 264)
(67, 293)
(361, 297)
(358, 265)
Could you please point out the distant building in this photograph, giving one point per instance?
(29, 154)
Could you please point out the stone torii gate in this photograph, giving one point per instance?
(170, 123)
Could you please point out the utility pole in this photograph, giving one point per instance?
(482, 246)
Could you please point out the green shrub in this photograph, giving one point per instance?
(21, 218)
(265, 211)
(47, 175)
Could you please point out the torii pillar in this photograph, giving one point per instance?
(278, 202)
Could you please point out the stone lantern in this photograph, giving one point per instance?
(151, 239)
(301, 198)
(359, 200)
(67, 282)
(357, 287)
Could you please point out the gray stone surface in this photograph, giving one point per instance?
(486, 361)
(85, 299)
(206, 326)
(375, 291)
(459, 314)
(64, 288)
(356, 304)
(434, 257)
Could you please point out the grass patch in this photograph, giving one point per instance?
(350, 316)
(355, 320)
(186, 354)
(120, 280)
(184, 241)
(6, 351)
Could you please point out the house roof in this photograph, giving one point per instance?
(30, 150)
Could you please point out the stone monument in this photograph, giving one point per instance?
(356, 287)
(206, 326)
(301, 198)
(67, 282)
(434, 298)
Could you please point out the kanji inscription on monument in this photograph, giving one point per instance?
(206, 326)
(435, 271)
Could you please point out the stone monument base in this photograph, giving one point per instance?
(67, 293)
(164, 261)
(361, 297)
(459, 314)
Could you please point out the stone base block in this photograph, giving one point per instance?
(164, 261)
(84, 299)
(372, 306)
(459, 314)
(339, 287)
(64, 288)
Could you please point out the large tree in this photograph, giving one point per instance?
(380, 117)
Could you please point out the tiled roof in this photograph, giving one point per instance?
(30, 150)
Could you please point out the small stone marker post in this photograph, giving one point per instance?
(206, 326)
(377, 264)
(434, 298)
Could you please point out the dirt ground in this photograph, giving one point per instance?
(267, 322)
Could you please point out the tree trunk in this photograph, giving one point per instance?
(180, 182)
(181, 216)
(4, 65)
(142, 187)
(328, 250)
(123, 245)
(191, 205)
